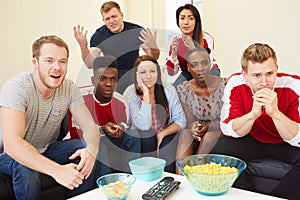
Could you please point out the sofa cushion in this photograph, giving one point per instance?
(6, 187)
(50, 188)
(268, 168)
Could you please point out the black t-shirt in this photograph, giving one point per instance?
(124, 45)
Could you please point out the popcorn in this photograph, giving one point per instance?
(211, 177)
(211, 168)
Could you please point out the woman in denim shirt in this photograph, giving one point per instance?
(156, 111)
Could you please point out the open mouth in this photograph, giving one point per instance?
(113, 26)
(55, 76)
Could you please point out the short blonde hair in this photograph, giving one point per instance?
(257, 53)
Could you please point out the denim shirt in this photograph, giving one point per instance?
(141, 111)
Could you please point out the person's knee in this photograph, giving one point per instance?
(211, 137)
(185, 142)
(185, 137)
(78, 144)
(131, 137)
(132, 133)
(25, 174)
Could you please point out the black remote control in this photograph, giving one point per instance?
(161, 189)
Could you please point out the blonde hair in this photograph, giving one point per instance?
(257, 53)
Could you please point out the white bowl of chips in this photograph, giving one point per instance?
(211, 174)
(116, 186)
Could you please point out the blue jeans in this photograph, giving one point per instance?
(26, 182)
(116, 153)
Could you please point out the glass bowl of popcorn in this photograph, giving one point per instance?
(116, 186)
(211, 174)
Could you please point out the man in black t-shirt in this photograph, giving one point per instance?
(118, 38)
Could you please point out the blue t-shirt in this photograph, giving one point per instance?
(124, 45)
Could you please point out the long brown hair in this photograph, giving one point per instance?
(197, 32)
(159, 92)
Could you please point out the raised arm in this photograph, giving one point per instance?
(172, 62)
(87, 55)
(149, 43)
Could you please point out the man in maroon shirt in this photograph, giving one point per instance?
(109, 109)
(261, 108)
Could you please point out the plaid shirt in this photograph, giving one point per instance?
(142, 119)
(156, 124)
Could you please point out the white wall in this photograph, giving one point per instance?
(233, 23)
(23, 21)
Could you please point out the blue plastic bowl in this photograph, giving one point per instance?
(211, 184)
(147, 168)
(116, 186)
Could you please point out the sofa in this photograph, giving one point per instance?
(50, 188)
(262, 175)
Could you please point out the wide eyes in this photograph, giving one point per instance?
(104, 79)
(203, 63)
